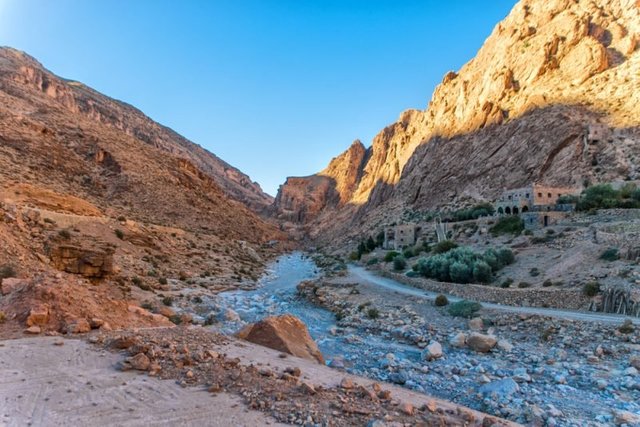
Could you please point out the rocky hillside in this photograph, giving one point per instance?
(93, 191)
(520, 111)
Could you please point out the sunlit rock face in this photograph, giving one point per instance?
(519, 111)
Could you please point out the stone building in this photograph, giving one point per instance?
(534, 197)
(398, 237)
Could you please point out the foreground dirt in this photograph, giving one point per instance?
(289, 389)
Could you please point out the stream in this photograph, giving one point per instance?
(276, 294)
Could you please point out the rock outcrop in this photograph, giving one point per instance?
(285, 333)
(520, 111)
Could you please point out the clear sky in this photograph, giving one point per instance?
(274, 87)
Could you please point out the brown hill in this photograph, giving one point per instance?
(93, 190)
(520, 111)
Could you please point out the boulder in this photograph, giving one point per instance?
(480, 342)
(38, 316)
(635, 362)
(285, 333)
(501, 388)
(93, 263)
(10, 284)
(78, 326)
(476, 324)
(458, 340)
(433, 351)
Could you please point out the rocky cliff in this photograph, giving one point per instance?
(519, 111)
(20, 74)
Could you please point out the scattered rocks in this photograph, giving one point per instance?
(459, 340)
(38, 316)
(138, 362)
(432, 352)
(33, 330)
(480, 342)
(500, 388)
(476, 324)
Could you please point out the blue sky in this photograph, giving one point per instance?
(276, 88)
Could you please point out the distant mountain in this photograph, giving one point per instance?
(520, 111)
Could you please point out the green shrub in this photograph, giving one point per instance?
(506, 256)
(527, 233)
(389, 256)
(7, 271)
(591, 289)
(370, 244)
(547, 283)
(168, 301)
(523, 285)
(477, 211)
(610, 254)
(373, 313)
(354, 256)
(481, 272)
(444, 247)
(626, 327)
(176, 319)
(372, 261)
(441, 301)
(506, 283)
(399, 263)
(460, 272)
(136, 281)
(162, 280)
(464, 308)
(412, 273)
(604, 196)
(119, 234)
(408, 253)
(121, 218)
(508, 225)
(534, 272)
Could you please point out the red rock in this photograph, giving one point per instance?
(38, 316)
(283, 333)
(11, 284)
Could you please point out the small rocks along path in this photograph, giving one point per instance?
(360, 273)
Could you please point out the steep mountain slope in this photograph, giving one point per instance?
(519, 111)
(22, 75)
(100, 207)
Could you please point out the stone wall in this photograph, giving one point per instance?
(538, 297)
(86, 262)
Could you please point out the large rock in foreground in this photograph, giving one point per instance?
(284, 333)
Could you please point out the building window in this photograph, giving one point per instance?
(527, 195)
(549, 195)
(539, 194)
(510, 197)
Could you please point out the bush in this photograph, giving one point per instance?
(121, 218)
(506, 283)
(176, 319)
(603, 196)
(444, 247)
(464, 308)
(626, 327)
(610, 254)
(389, 256)
(481, 272)
(441, 301)
(547, 283)
(136, 281)
(399, 263)
(354, 256)
(168, 301)
(408, 253)
(162, 280)
(591, 289)
(523, 285)
(119, 234)
(372, 261)
(7, 271)
(534, 272)
(373, 313)
(477, 211)
(460, 272)
(508, 225)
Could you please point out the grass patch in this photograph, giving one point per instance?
(464, 308)
(611, 254)
(591, 289)
(508, 225)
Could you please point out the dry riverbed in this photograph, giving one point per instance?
(539, 370)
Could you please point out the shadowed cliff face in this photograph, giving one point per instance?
(516, 112)
(62, 136)
(21, 74)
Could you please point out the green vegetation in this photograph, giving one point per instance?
(168, 301)
(441, 301)
(591, 289)
(464, 308)
(534, 272)
(389, 256)
(121, 218)
(373, 261)
(162, 280)
(547, 283)
(475, 212)
(523, 285)
(176, 319)
(506, 283)
(508, 225)
(119, 234)
(408, 253)
(366, 246)
(65, 234)
(610, 254)
(626, 327)
(604, 196)
(463, 265)
(373, 313)
(444, 246)
(399, 263)
(7, 271)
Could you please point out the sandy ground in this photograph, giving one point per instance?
(42, 383)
